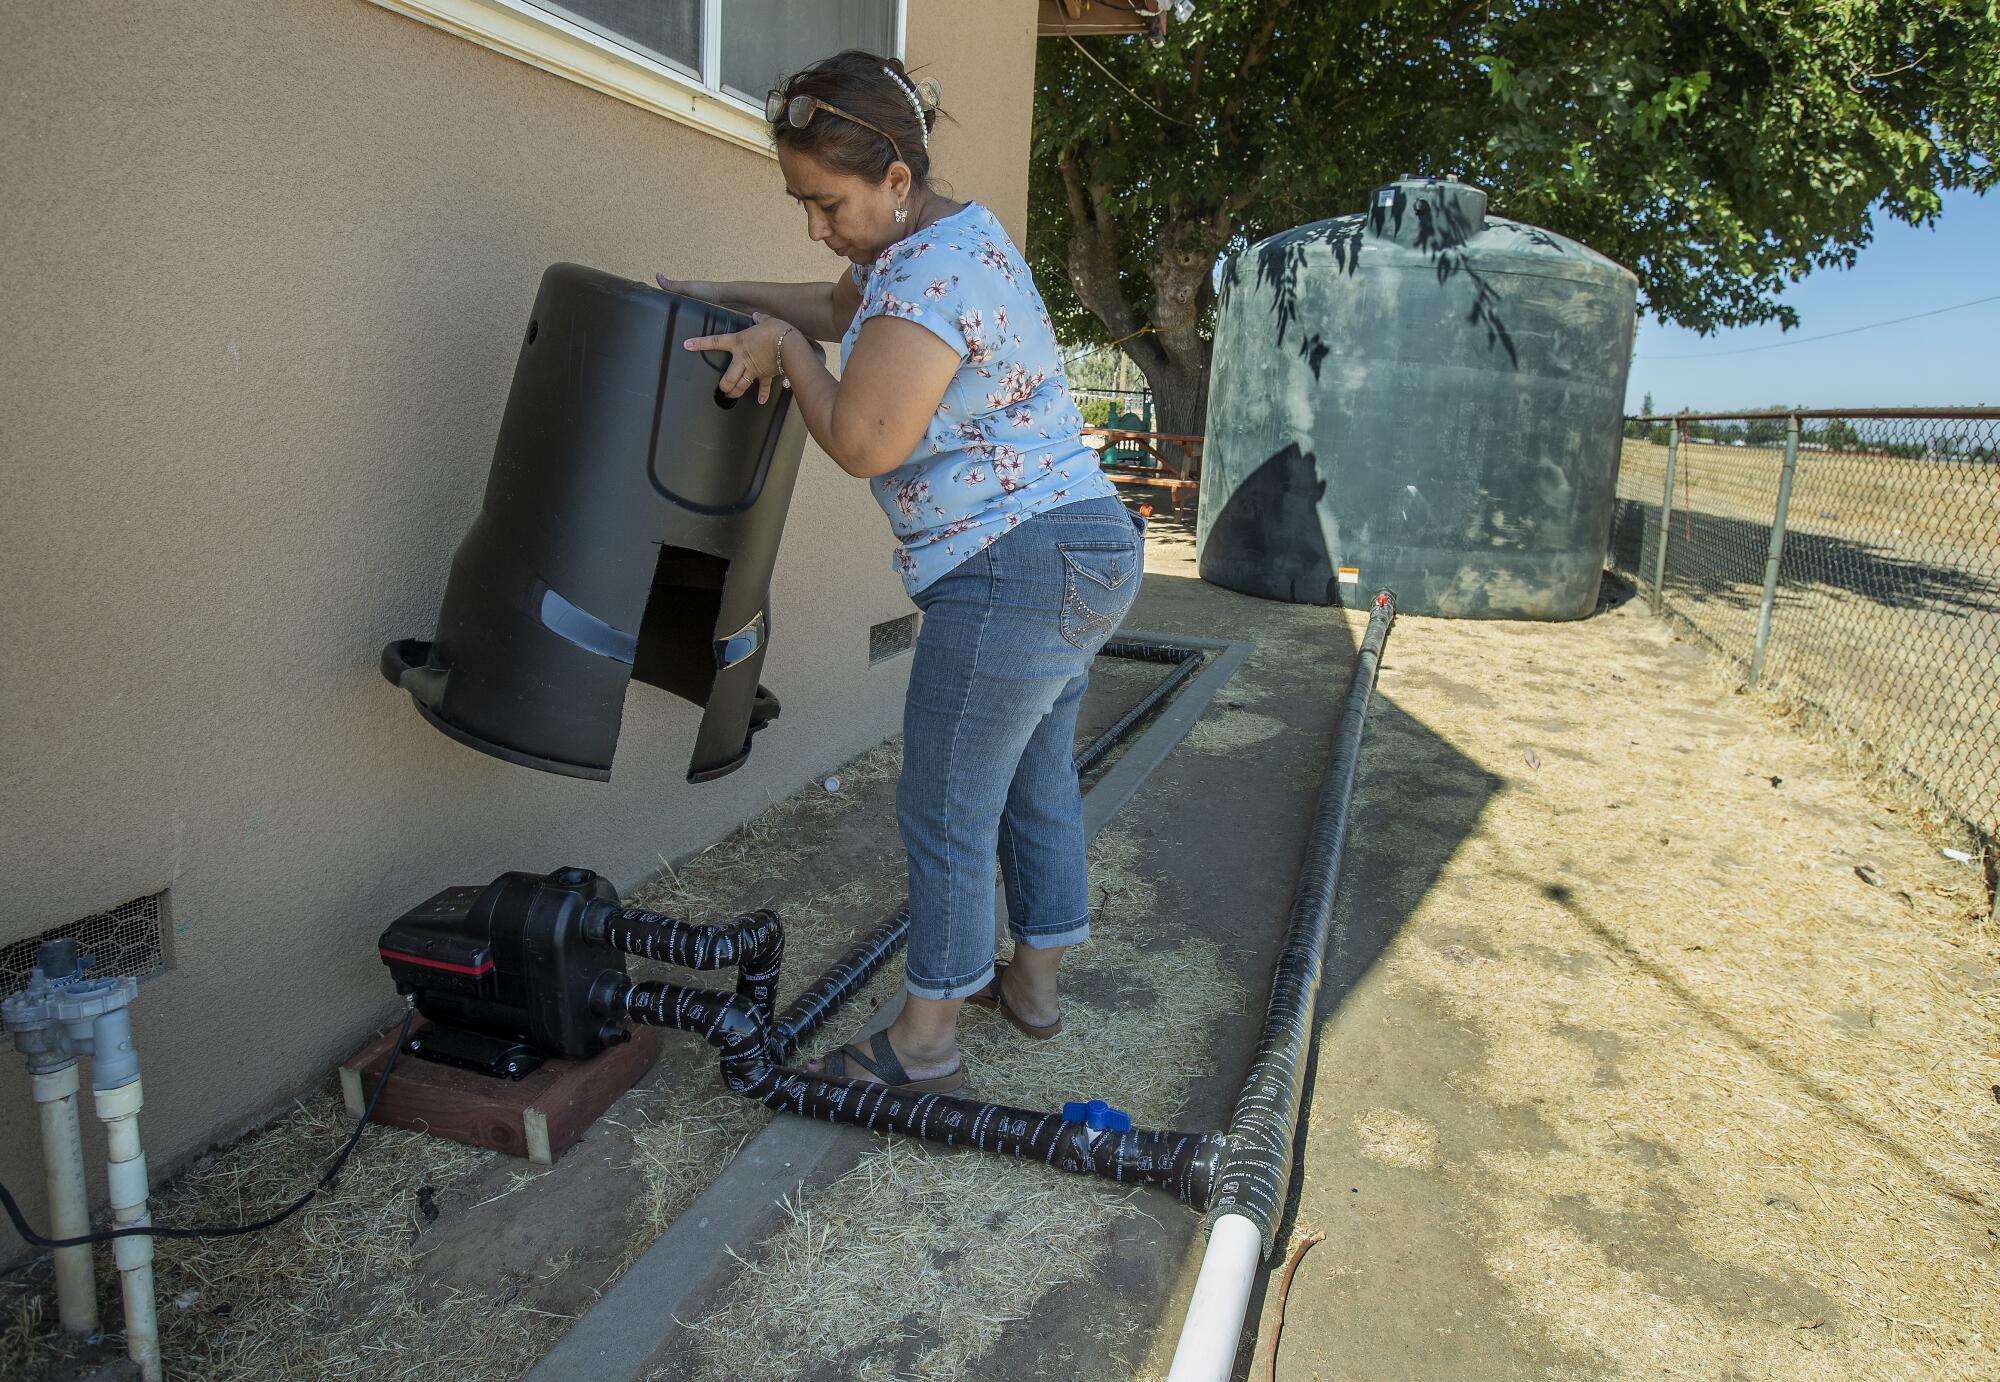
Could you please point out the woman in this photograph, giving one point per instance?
(952, 404)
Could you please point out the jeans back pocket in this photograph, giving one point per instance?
(1100, 582)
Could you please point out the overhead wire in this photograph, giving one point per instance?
(1120, 85)
(1825, 336)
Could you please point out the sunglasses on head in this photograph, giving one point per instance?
(797, 111)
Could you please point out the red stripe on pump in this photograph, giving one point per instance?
(435, 964)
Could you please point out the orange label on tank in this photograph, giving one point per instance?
(1350, 575)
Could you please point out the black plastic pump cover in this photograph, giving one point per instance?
(629, 529)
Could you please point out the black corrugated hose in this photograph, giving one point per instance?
(1187, 662)
(1182, 1163)
(810, 1010)
(1256, 1171)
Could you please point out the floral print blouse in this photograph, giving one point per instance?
(1005, 443)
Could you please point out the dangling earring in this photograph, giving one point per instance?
(902, 214)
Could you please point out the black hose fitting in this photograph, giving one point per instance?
(728, 1022)
(754, 942)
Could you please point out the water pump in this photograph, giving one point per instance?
(532, 966)
(512, 972)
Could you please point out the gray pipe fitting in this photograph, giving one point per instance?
(114, 1061)
(61, 1015)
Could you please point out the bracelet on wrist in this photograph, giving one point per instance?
(784, 380)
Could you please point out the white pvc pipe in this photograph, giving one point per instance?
(119, 1108)
(1207, 1350)
(69, 1202)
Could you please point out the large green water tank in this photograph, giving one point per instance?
(1422, 397)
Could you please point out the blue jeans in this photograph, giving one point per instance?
(988, 733)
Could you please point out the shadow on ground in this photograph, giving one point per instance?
(1224, 822)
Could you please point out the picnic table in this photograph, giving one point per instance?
(1159, 460)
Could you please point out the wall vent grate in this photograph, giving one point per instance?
(891, 639)
(131, 939)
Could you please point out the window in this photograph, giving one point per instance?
(765, 41)
(705, 63)
(669, 30)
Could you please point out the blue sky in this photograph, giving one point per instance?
(1953, 358)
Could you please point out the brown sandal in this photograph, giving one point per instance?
(995, 998)
(880, 1060)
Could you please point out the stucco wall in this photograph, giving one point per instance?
(265, 265)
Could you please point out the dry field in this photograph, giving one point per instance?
(1885, 631)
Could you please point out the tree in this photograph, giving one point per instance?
(1766, 431)
(1721, 151)
(1636, 428)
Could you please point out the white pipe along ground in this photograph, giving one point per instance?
(1207, 1349)
(119, 1108)
(69, 1201)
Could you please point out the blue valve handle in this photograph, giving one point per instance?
(1098, 1116)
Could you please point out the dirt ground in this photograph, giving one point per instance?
(1625, 1069)
(1637, 1074)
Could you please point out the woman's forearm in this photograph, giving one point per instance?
(813, 392)
(809, 306)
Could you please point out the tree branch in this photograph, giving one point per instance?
(1252, 56)
(1073, 191)
(1093, 254)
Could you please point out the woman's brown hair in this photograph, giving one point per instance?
(856, 81)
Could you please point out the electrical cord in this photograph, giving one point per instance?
(223, 1230)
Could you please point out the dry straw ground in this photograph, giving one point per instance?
(948, 1248)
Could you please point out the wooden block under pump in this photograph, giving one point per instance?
(539, 1116)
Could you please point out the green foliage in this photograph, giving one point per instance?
(1640, 430)
(1096, 411)
(1718, 149)
(1764, 432)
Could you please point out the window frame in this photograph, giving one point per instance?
(544, 39)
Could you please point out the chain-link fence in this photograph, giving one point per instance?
(1849, 563)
